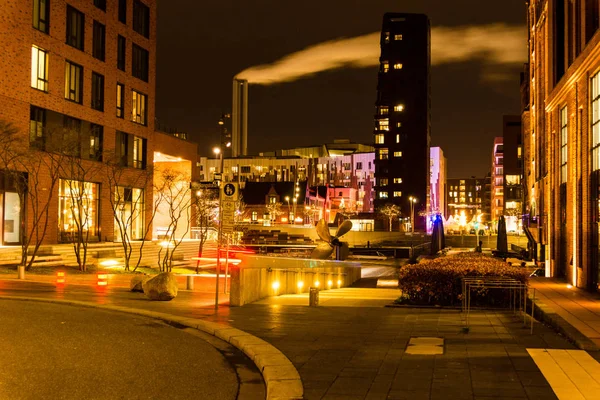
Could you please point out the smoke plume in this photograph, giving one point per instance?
(496, 45)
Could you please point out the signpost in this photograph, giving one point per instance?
(229, 194)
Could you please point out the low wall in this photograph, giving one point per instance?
(257, 277)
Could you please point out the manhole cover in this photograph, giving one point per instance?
(425, 346)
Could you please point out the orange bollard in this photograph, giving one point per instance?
(60, 278)
(102, 279)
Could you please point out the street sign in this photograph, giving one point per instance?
(218, 177)
(227, 215)
(230, 191)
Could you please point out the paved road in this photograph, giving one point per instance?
(51, 351)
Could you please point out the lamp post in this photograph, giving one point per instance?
(287, 198)
(412, 201)
(217, 151)
(295, 200)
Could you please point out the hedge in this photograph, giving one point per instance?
(438, 281)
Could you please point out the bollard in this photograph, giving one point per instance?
(21, 271)
(190, 282)
(313, 297)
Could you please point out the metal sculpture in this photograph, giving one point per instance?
(324, 249)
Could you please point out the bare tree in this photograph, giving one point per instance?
(127, 193)
(175, 194)
(206, 206)
(390, 211)
(25, 170)
(274, 210)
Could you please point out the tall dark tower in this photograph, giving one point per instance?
(402, 115)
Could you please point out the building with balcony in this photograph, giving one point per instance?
(402, 115)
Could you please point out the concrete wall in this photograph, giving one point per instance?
(254, 277)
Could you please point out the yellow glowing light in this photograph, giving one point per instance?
(569, 286)
(339, 282)
(217, 150)
(329, 283)
(275, 285)
(317, 283)
(300, 284)
(109, 263)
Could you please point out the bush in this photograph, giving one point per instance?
(438, 281)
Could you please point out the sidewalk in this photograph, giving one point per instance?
(573, 311)
(363, 352)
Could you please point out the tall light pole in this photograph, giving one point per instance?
(217, 151)
(412, 201)
(287, 198)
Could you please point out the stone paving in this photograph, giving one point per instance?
(359, 352)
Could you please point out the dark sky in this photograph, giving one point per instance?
(203, 44)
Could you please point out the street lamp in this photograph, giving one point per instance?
(287, 198)
(217, 151)
(412, 201)
(295, 200)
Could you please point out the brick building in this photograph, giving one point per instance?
(77, 78)
(561, 141)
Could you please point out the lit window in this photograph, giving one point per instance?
(139, 150)
(379, 138)
(398, 66)
(385, 66)
(120, 100)
(39, 69)
(383, 154)
(397, 138)
(398, 37)
(383, 195)
(383, 124)
(254, 216)
(397, 194)
(139, 104)
(386, 37)
(383, 110)
(397, 180)
(73, 82)
(399, 107)
(563, 144)
(383, 181)
(397, 154)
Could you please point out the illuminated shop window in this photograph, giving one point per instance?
(77, 207)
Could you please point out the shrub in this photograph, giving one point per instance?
(438, 281)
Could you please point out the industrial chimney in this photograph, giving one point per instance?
(239, 118)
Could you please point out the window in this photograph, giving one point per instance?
(358, 165)
(71, 138)
(41, 15)
(101, 4)
(77, 209)
(399, 107)
(139, 152)
(383, 110)
(75, 28)
(379, 138)
(254, 216)
(383, 195)
(398, 66)
(37, 123)
(99, 43)
(123, 11)
(398, 36)
(397, 138)
(513, 180)
(383, 154)
(141, 18)
(130, 212)
(397, 154)
(386, 37)
(138, 110)
(397, 194)
(563, 144)
(383, 124)
(385, 66)
(397, 180)
(73, 82)
(39, 68)
(121, 49)
(245, 169)
(96, 136)
(139, 63)
(383, 181)
(97, 91)
(121, 148)
(272, 199)
(595, 122)
(120, 100)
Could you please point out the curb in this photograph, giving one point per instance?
(281, 377)
(550, 317)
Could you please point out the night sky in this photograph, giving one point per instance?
(202, 45)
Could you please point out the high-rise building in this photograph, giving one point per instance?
(77, 82)
(561, 138)
(513, 171)
(437, 190)
(497, 181)
(465, 199)
(402, 115)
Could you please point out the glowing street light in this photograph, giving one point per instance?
(412, 201)
(287, 198)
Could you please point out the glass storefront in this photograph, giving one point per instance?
(129, 204)
(78, 206)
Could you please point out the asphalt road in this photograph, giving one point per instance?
(51, 351)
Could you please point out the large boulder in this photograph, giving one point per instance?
(162, 287)
(135, 285)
